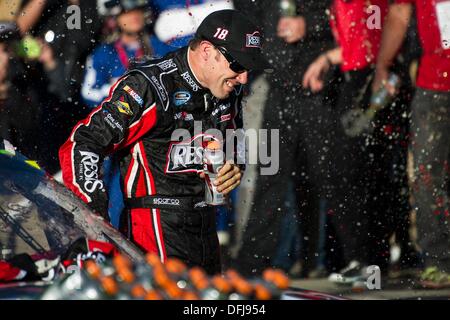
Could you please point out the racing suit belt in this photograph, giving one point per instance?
(165, 202)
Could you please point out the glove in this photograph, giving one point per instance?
(101, 208)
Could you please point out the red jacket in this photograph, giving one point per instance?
(357, 27)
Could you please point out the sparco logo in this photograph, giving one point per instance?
(166, 201)
(89, 169)
(187, 77)
(158, 86)
(253, 40)
(166, 64)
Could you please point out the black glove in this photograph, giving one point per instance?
(101, 208)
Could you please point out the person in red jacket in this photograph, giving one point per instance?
(355, 53)
(358, 42)
(361, 171)
(430, 126)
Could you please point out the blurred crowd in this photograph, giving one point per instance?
(360, 95)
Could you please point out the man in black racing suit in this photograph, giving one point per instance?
(185, 94)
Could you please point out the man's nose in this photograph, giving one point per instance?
(242, 77)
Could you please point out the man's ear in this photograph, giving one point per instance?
(206, 50)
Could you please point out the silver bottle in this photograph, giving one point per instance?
(382, 97)
(213, 160)
(288, 8)
(356, 121)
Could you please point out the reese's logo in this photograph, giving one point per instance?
(186, 156)
(89, 171)
(253, 40)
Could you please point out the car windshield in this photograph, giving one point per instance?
(39, 216)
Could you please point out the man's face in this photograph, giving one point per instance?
(132, 21)
(221, 80)
(4, 62)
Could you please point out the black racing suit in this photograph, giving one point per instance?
(159, 173)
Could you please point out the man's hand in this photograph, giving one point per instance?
(380, 80)
(228, 177)
(313, 77)
(394, 31)
(4, 63)
(291, 29)
(101, 208)
(47, 57)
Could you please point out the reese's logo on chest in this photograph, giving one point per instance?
(186, 156)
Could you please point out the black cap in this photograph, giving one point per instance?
(240, 37)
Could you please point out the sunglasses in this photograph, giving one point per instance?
(234, 64)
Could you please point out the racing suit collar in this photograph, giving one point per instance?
(190, 69)
(187, 74)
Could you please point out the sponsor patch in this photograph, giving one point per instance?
(89, 171)
(221, 107)
(166, 201)
(184, 116)
(225, 117)
(186, 156)
(253, 40)
(200, 204)
(158, 86)
(134, 95)
(181, 97)
(187, 77)
(123, 107)
(113, 123)
(166, 65)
